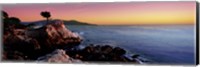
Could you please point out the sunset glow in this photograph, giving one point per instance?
(110, 13)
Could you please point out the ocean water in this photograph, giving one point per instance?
(173, 44)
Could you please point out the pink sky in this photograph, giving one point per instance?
(110, 13)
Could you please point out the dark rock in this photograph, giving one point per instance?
(106, 49)
(14, 55)
(104, 53)
(118, 51)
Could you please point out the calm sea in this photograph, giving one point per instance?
(156, 44)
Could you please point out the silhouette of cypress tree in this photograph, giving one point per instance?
(46, 14)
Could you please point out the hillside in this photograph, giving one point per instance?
(66, 22)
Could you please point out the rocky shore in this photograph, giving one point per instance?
(29, 44)
(55, 43)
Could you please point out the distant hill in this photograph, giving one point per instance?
(66, 22)
(74, 22)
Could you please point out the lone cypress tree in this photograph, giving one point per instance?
(46, 14)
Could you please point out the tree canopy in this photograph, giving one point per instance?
(45, 14)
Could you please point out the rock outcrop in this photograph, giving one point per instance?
(100, 53)
(57, 56)
(55, 35)
(37, 42)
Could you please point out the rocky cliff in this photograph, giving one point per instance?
(30, 44)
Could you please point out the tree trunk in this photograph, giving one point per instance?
(47, 20)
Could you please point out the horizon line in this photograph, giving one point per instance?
(108, 24)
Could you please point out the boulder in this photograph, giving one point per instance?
(106, 49)
(57, 56)
(118, 51)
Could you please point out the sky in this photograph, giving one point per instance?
(116, 13)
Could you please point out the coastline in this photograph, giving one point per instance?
(89, 53)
